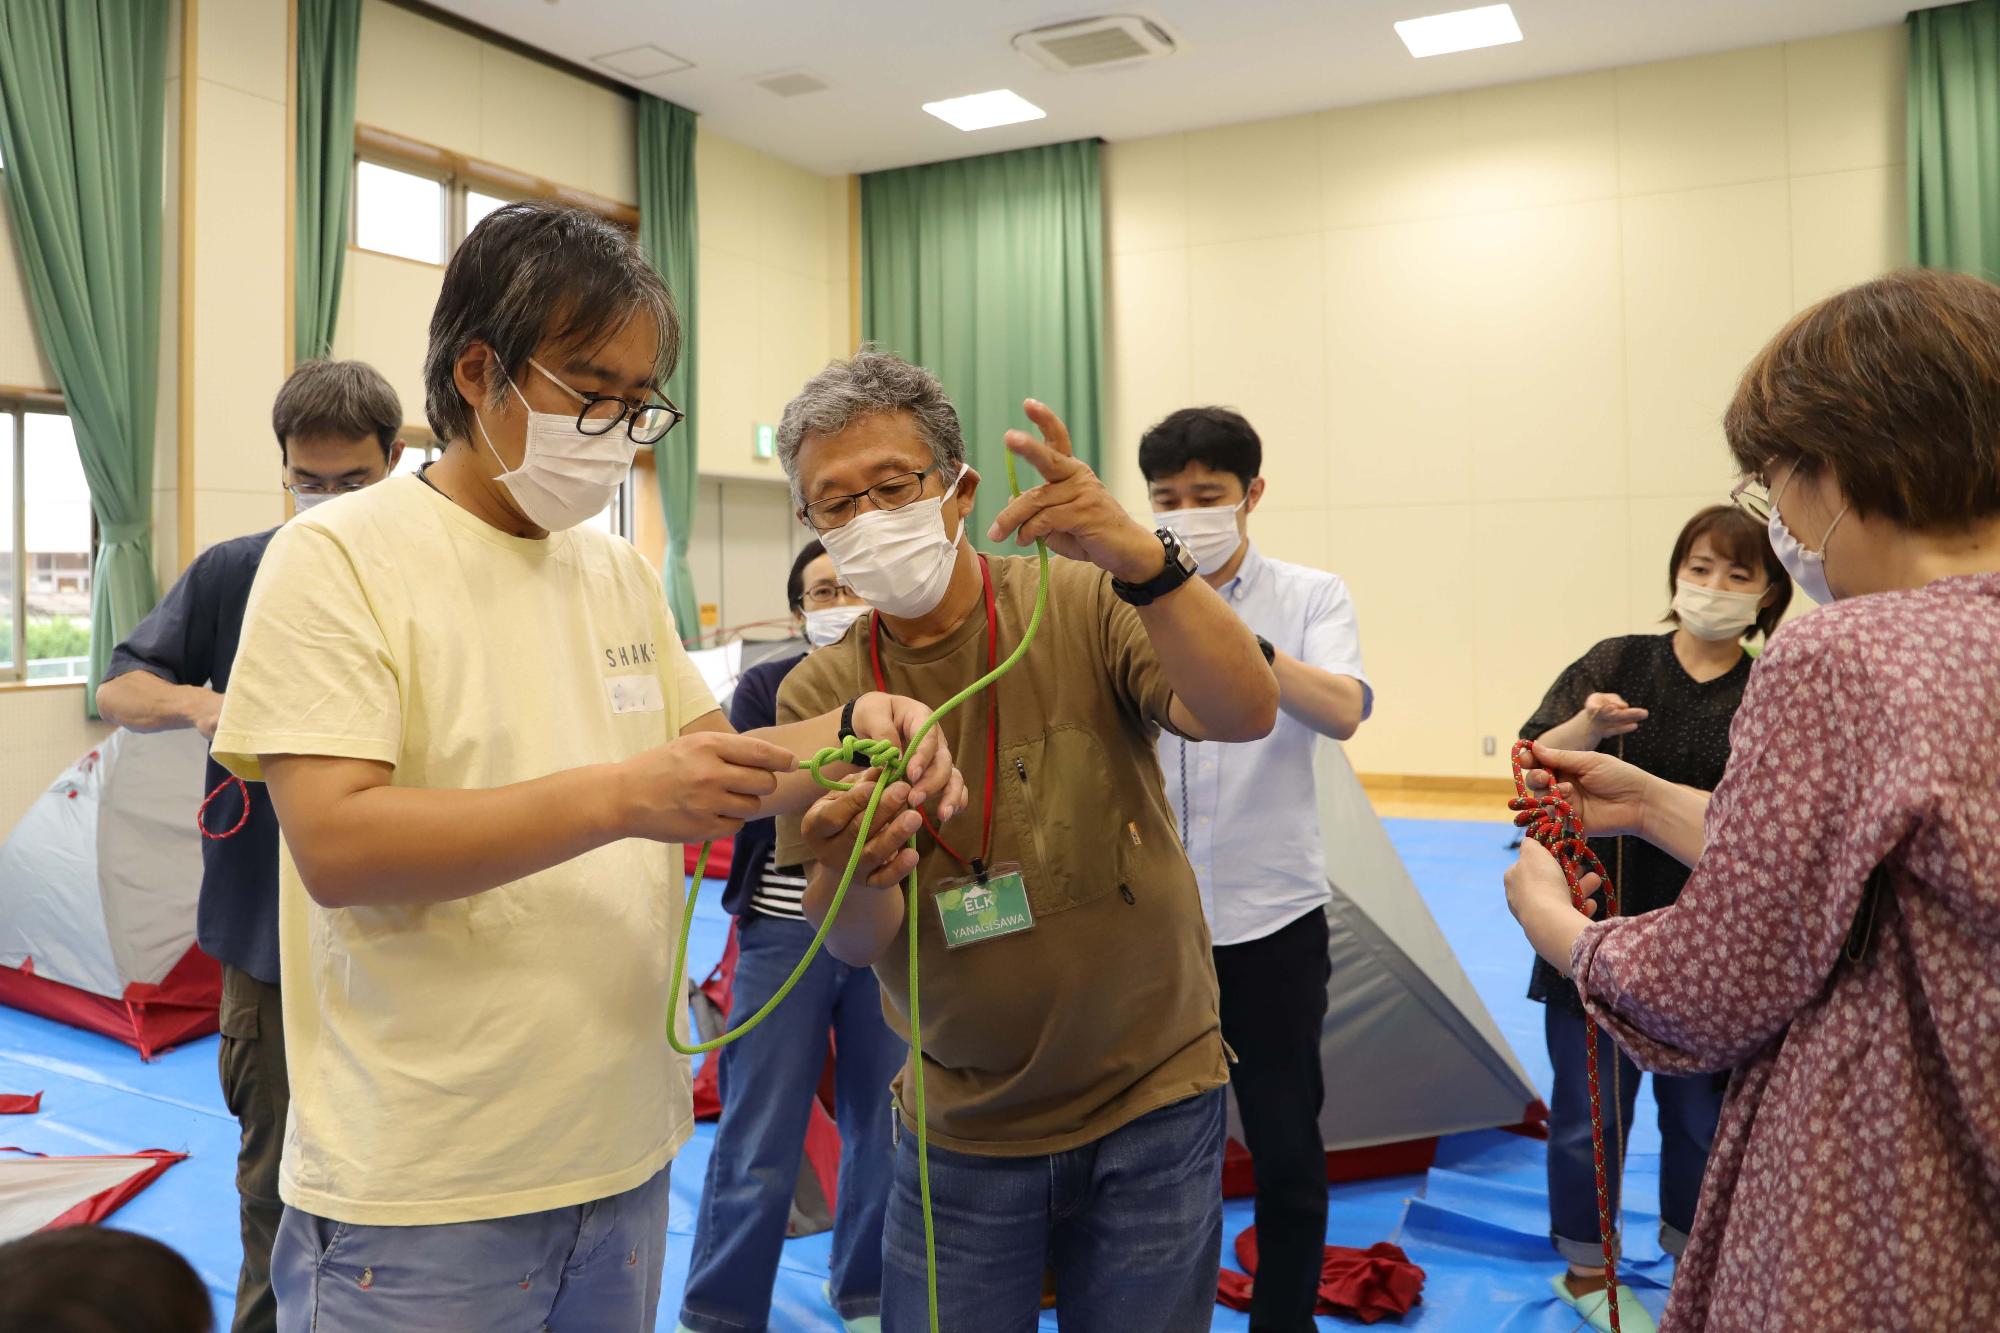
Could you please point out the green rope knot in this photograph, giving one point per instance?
(861, 752)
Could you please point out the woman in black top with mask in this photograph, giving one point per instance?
(1665, 702)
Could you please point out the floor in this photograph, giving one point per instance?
(1476, 1223)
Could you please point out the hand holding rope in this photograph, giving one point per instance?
(1550, 819)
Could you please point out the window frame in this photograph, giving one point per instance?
(460, 173)
(17, 405)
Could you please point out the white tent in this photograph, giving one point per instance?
(39, 1193)
(98, 885)
(1409, 1051)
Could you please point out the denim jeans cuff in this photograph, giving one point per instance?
(1673, 1240)
(699, 1323)
(1583, 1253)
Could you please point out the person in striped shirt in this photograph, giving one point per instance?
(769, 1077)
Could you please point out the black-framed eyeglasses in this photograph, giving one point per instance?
(837, 511)
(646, 422)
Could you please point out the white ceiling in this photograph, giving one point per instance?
(1239, 60)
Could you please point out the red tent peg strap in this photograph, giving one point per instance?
(1550, 819)
(201, 815)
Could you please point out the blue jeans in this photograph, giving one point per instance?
(592, 1267)
(1689, 1110)
(1131, 1224)
(768, 1080)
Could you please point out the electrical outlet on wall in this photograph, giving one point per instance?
(1487, 745)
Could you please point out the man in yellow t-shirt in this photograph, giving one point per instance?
(482, 740)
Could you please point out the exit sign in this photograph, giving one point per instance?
(766, 445)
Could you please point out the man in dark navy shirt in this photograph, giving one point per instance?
(336, 423)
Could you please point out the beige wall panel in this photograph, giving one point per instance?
(1844, 100)
(532, 117)
(614, 144)
(21, 360)
(1397, 421)
(1520, 646)
(1707, 282)
(1276, 378)
(220, 515)
(166, 537)
(1543, 366)
(791, 219)
(705, 545)
(1392, 161)
(167, 385)
(1847, 227)
(1149, 357)
(389, 320)
(727, 194)
(729, 341)
(241, 43)
(1707, 120)
(46, 732)
(1146, 194)
(239, 248)
(1553, 141)
(1252, 181)
(791, 344)
(1407, 567)
(1285, 531)
(418, 78)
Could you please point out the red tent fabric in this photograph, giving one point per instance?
(15, 1103)
(150, 1018)
(1368, 1285)
(41, 1193)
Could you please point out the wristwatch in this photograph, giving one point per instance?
(847, 720)
(1269, 649)
(1180, 567)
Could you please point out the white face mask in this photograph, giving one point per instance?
(825, 627)
(304, 500)
(565, 475)
(899, 561)
(1807, 568)
(1714, 614)
(1210, 535)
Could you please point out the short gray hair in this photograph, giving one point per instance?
(869, 382)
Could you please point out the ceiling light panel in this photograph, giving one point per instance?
(1460, 30)
(984, 111)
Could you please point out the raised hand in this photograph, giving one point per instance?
(1072, 510)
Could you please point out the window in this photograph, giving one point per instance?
(46, 548)
(399, 212)
(477, 205)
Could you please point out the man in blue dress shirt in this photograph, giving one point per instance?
(1249, 818)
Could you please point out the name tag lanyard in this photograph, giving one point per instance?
(977, 865)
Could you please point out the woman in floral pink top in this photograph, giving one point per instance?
(1838, 942)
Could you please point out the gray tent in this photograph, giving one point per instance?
(1410, 1052)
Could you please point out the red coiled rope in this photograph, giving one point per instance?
(1551, 820)
(201, 815)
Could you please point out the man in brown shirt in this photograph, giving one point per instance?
(1073, 1057)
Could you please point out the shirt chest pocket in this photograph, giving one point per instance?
(1055, 796)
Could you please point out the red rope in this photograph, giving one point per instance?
(1551, 820)
(201, 815)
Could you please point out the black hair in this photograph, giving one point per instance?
(345, 399)
(795, 584)
(97, 1280)
(532, 273)
(1215, 437)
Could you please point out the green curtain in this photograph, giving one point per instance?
(1954, 137)
(329, 34)
(669, 231)
(82, 100)
(990, 272)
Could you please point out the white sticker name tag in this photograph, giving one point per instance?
(635, 694)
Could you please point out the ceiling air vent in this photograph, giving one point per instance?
(1099, 43)
(795, 83)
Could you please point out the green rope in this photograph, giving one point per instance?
(887, 757)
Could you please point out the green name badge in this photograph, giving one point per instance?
(974, 910)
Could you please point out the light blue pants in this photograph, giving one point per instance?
(592, 1267)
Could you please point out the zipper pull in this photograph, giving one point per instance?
(1021, 767)
(1125, 892)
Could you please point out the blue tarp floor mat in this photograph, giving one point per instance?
(1477, 1222)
